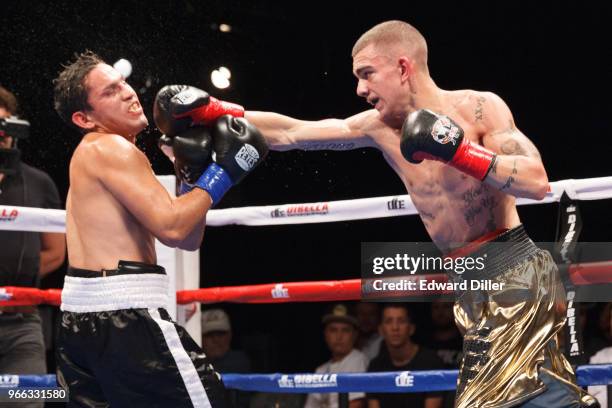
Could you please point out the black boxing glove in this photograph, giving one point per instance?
(427, 135)
(238, 147)
(192, 155)
(177, 107)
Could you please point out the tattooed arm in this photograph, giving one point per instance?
(286, 133)
(518, 169)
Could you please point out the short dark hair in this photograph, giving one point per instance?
(69, 88)
(395, 33)
(8, 101)
(396, 305)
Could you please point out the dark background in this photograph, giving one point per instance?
(550, 62)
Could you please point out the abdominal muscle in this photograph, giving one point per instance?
(455, 208)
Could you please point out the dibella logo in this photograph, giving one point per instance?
(571, 231)
(8, 214)
(279, 291)
(300, 210)
(308, 380)
(571, 323)
(313, 209)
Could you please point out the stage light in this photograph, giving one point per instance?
(124, 67)
(220, 77)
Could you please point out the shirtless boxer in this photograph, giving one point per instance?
(464, 192)
(117, 345)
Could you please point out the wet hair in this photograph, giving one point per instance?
(70, 89)
(392, 35)
(8, 101)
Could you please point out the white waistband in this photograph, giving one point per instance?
(132, 291)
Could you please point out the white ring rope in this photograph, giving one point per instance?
(44, 220)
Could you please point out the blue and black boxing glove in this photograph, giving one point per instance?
(192, 150)
(238, 147)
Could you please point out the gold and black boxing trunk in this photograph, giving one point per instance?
(510, 342)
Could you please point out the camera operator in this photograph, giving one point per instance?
(25, 257)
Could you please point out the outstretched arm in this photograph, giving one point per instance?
(518, 169)
(286, 133)
(177, 107)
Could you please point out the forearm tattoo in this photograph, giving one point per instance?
(510, 179)
(494, 166)
(327, 145)
(427, 215)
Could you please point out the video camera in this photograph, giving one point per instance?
(16, 129)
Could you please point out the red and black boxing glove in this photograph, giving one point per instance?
(177, 107)
(427, 135)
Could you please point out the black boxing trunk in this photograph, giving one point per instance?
(117, 345)
(510, 332)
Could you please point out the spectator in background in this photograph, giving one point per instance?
(217, 340)
(369, 340)
(216, 343)
(603, 338)
(603, 356)
(25, 257)
(340, 329)
(445, 339)
(401, 354)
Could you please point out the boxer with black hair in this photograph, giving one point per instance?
(117, 345)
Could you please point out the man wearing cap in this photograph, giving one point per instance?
(216, 343)
(340, 329)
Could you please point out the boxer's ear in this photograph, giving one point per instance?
(406, 68)
(82, 120)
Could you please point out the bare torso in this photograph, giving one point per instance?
(99, 229)
(455, 208)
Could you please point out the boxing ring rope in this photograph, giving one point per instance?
(590, 273)
(43, 220)
(391, 381)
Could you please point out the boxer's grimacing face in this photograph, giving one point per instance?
(115, 106)
(379, 82)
